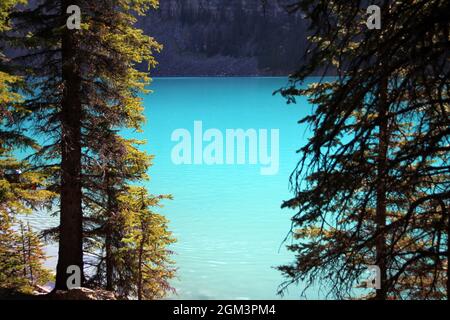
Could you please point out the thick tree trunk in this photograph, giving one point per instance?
(380, 218)
(70, 229)
(141, 253)
(109, 256)
(141, 262)
(109, 236)
(29, 252)
(109, 263)
(24, 252)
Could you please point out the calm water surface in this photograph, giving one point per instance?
(227, 219)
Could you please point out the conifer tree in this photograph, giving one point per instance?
(22, 189)
(144, 253)
(86, 85)
(119, 222)
(21, 257)
(33, 256)
(373, 183)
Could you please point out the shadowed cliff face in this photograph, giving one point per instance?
(225, 37)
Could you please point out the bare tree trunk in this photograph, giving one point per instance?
(24, 251)
(111, 212)
(109, 264)
(70, 229)
(380, 218)
(29, 252)
(141, 253)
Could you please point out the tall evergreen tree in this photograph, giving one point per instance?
(21, 257)
(144, 254)
(120, 221)
(86, 84)
(373, 183)
(22, 189)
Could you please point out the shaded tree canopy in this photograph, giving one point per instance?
(85, 88)
(22, 187)
(372, 186)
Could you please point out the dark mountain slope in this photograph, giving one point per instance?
(225, 37)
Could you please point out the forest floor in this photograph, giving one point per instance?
(74, 294)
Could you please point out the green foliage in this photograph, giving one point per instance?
(7, 96)
(21, 257)
(372, 184)
(86, 88)
(144, 254)
(133, 240)
(11, 263)
(22, 188)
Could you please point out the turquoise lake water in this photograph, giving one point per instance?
(227, 218)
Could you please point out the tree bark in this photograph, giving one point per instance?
(109, 264)
(141, 253)
(448, 251)
(29, 252)
(24, 251)
(380, 218)
(108, 233)
(111, 232)
(70, 229)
